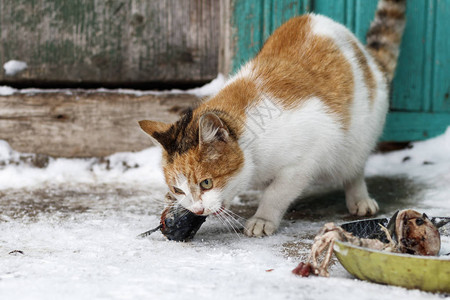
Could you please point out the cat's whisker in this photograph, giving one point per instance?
(234, 217)
(236, 230)
(227, 224)
(232, 227)
(159, 201)
(184, 213)
(228, 219)
(222, 220)
(236, 224)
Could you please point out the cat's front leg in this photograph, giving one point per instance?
(276, 199)
(357, 198)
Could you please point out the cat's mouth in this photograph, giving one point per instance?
(201, 211)
(206, 212)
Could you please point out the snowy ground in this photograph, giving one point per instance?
(76, 222)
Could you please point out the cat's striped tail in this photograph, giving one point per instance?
(385, 34)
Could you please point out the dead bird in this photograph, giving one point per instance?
(177, 223)
(408, 231)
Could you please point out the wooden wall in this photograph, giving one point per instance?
(84, 124)
(110, 42)
(118, 42)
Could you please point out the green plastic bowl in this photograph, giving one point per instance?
(427, 273)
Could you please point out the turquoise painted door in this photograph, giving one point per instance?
(420, 103)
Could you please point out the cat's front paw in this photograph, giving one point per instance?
(365, 207)
(258, 227)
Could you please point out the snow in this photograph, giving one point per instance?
(76, 222)
(426, 162)
(6, 90)
(12, 67)
(206, 90)
(117, 168)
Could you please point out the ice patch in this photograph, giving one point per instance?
(13, 67)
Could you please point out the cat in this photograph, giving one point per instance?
(310, 106)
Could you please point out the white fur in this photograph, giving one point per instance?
(209, 133)
(299, 147)
(287, 151)
(244, 71)
(211, 200)
(187, 198)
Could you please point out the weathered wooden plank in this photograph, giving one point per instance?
(110, 42)
(227, 41)
(408, 92)
(248, 35)
(350, 15)
(364, 14)
(283, 10)
(84, 124)
(412, 126)
(253, 21)
(441, 59)
(98, 124)
(334, 9)
(429, 53)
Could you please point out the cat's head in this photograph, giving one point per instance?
(201, 160)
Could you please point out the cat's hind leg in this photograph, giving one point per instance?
(357, 198)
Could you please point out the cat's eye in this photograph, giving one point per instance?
(178, 191)
(206, 184)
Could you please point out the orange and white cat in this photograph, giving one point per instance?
(310, 106)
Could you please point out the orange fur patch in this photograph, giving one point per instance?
(150, 127)
(217, 161)
(295, 65)
(385, 60)
(369, 79)
(234, 99)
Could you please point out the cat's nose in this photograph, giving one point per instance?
(199, 211)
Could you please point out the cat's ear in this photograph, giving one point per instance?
(154, 129)
(212, 129)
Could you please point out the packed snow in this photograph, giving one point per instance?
(69, 227)
(12, 67)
